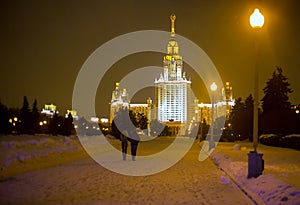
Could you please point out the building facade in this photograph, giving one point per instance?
(119, 100)
(49, 110)
(174, 103)
(172, 89)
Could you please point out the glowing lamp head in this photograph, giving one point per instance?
(257, 19)
(201, 105)
(213, 86)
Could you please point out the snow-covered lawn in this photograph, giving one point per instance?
(22, 153)
(280, 182)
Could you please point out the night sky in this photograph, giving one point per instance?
(45, 43)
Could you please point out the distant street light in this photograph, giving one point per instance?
(213, 88)
(255, 161)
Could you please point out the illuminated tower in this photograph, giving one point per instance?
(172, 88)
(119, 100)
(227, 94)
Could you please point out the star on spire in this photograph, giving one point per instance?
(173, 17)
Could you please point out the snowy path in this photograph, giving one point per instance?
(86, 182)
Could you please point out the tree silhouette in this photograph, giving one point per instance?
(54, 125)
(241, 118)
(237, 117)
(5, 125)
(142, 121)
(35, 118)
(67, 126)
(276, 93)
(275, 104)
(25, 115)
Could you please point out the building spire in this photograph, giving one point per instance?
(173, 17)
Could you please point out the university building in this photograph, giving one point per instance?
(173, 104)
(172, 89)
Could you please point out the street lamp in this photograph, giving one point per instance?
(201, 110)
(255, 161)
(256, 22)
(213, 88)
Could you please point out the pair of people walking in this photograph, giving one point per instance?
(132, 137)
(127, 133)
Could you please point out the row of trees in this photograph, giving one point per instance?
(30, 121)
(276, 115)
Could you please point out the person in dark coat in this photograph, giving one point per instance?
(124, 143)
(134, 140)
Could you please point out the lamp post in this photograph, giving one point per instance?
(149, 102)
(201, 108)
(196, 101)
(213, 88)
(256, 22)
(255, 161)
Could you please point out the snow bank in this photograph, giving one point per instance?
(26, 152)
(265, 189)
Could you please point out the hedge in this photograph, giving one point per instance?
(287, 141)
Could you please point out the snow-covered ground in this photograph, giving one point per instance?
(57, 170)
(82, 181)
(22, 153)
(280, 182)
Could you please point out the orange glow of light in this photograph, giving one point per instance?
(213, 86)
(257, 19)
(201, 105)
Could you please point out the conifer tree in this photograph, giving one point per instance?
(54, 125)
(276, 93)
(276, 103)
(68, 127)
(5, 125)
(25, 115)
(35, 116)
(237, 116)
